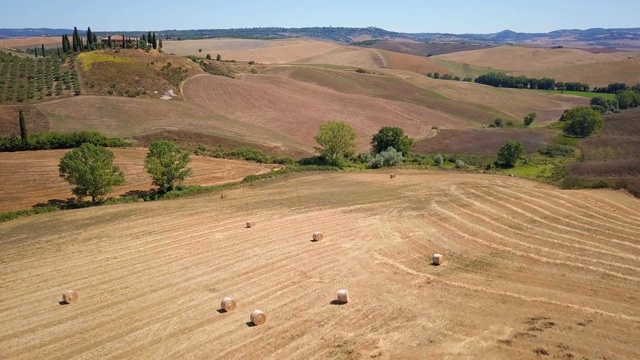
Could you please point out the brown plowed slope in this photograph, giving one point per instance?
(295, 108)
(528, 270)
(15, 43)
(31, 177)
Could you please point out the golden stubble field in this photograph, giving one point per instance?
(596, 69)
(31, 177)
(529, 271)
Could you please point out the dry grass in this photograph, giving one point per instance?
(25, 186)
(557, 268)
(596, 69)
(21, 43)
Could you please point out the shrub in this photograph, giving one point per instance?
(438, 160)
(509, 154)
(557, 150)
(460, 164)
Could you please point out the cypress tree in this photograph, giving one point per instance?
(58, 49)
(109, 41)
(35, 51)
(160, 43)
(43, 54)
(149, 37)
(155, 41)
(89, 36)
(123, 45)
(144, 38)
(66, 36)
(23, 128)
(63, 44)
(95, 39)
(75, 39)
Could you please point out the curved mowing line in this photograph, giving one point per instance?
(561, 253)
(538, 229)
(607, 224)
(606, 218)
(505, 293)
(523, 254)
(563, 220)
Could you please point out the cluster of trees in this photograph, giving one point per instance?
(436, 75)
(625, 99)
(25, 78)
(581, 121)
(77, 44)
(90, 170)
(522, 82)
(614, 88)
(337, 143)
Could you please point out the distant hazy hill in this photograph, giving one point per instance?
(597, 37)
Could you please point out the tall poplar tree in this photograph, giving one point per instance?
(35, 51)
(155, 41)
(43, 54)
(75, 39)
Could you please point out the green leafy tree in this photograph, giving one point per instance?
(509, 154)
(628, 99)
(529, 119)
(391, 137)
(208, 57)
(581, 121)
(167, 164)
(336, 140)
(89, 168)
(23, 128)
(218, 57)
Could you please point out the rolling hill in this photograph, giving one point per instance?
(528, 270)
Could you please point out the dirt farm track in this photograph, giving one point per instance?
(529, 272)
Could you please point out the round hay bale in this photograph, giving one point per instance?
(223, 195)
(317, 236)
(343, 296)
(392, 175)
(250, 224)
(258, 317)
(70, 296)
(228, 304)
(437, 259)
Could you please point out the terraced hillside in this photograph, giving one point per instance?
(529, 271)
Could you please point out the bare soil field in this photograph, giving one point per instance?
(21, 43)
(615, 152)
(276, 103)
(262, 51)
(422, 49)
(24, 186)
(596, 69)
(35, 120)
(529, 271)
(481, 141)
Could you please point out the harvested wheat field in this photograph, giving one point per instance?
(19, 43)
(39, 183)
(530, 270)
(596, 69)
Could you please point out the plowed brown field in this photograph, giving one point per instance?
(529, 270)
(31, 177)
(295, 108)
